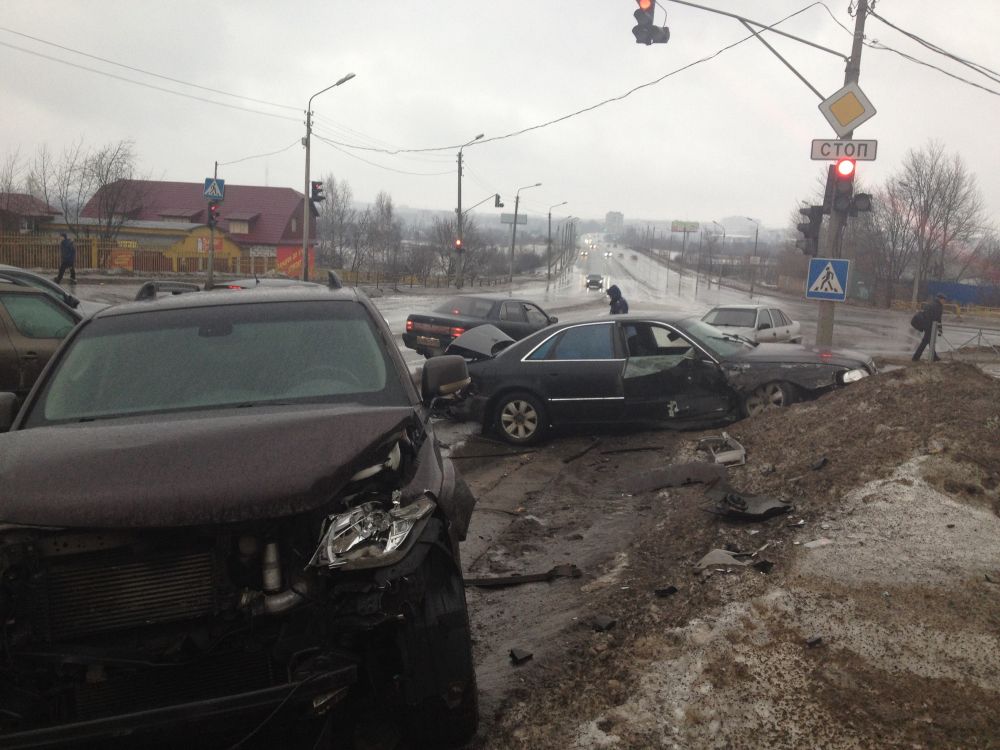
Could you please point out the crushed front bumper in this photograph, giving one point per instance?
(318, 691)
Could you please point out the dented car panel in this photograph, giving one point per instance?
(174, 557)
(640, 370)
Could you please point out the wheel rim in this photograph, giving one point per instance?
(519, 419)
(765, 397)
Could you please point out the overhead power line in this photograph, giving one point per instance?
(981, 69)
(140, 70)
(336, 147)
(149, 85)
(260, 156)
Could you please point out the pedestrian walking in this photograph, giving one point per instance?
(619, 306)
(931, 314)
(67, 259)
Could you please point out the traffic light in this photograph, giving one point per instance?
(458, 245)
(810, 230)
(213, 215)
(317, 192)
(644, 30)
(497, 203)
(843, 184)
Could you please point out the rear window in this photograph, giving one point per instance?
(732, 316)
(213, 357)
(471, 307)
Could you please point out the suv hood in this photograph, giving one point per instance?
(238, 465)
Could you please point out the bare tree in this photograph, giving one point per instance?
(11, 170)
(119, 191)
(947, 204)
(886, 238)
(336, 215)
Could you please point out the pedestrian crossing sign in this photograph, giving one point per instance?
(827, 279)
(215, 189)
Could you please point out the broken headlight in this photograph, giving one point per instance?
(853, 376)
(369, 535)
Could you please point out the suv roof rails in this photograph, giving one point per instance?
(151, 289)
(333, 280)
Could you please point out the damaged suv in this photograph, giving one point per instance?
(222, 512)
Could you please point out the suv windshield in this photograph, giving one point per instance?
(219, 356)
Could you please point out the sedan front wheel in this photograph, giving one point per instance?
(768, 395)
(520, 418)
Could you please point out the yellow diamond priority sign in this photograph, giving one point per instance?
(847, 109)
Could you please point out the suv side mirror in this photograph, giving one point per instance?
(443, 376)
(8, 410)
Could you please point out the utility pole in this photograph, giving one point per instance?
(307, 192)
(838, 218)
(459, 245)
(548, 276)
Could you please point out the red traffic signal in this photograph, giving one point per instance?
(458, 244)
(845, 169)
(644, 30)
(317, 191)
(213, 214)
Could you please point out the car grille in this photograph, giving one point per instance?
(89, 594)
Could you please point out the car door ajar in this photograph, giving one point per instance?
(578, 372)
(668, 378)
(513, 321)
(35, 326)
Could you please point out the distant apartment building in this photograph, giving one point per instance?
(614, 222)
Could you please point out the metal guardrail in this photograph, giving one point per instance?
(971, 336)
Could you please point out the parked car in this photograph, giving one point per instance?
(32, 325)
(755, 322)
(595, 281)
(214, 506)
(431, 333)
(47, 285)
(662, 372)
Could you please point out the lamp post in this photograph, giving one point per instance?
(513, 234)
(753, 266)
(548, 277)
(459, 247)
(307, 192)
(721, 252)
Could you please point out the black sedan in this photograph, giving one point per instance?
(633, 369)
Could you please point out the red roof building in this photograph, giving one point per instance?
(20, 212)
(251, 216)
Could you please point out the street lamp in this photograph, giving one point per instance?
(459, 247)
(513, 234)
(548, 277)
(753, 266)
(721, 252)
(306, 191)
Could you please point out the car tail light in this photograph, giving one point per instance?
(233, 286)
(456, 332)
(409, 326)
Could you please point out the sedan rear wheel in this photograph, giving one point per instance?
(520, 418)
(766, 396)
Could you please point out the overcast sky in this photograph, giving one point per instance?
(725, 137)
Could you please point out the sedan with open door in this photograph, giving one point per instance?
(666, 372)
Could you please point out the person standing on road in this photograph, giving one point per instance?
(67, 259)
(619, 306)
(932, 316)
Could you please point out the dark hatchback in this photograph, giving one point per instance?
(225, 511)
(638, 370)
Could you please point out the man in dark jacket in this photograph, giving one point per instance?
(932, 317)
(67, 259)
(618, 304)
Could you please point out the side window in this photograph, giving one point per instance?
(512, 311)
(764, 321)
(535, 316)
(653, 350)
(36, 316)
(780, 319)
(542, 352)
(669, 342)
(585, 342)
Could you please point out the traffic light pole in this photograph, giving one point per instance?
(211, 238)
(838, 217)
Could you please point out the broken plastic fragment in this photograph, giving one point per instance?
(603, 623)
(519, 656)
